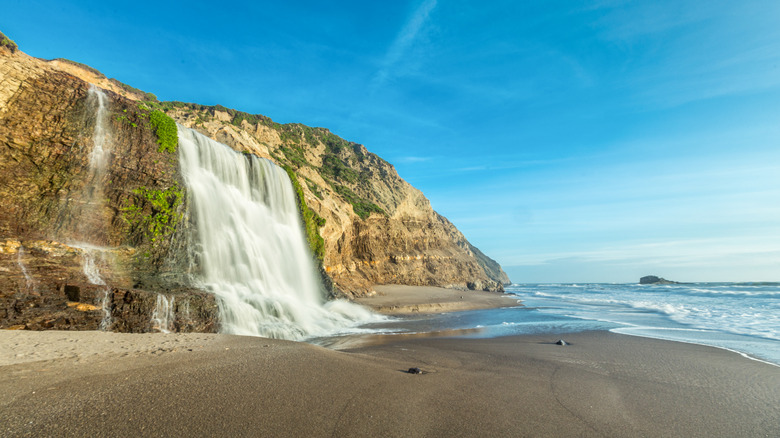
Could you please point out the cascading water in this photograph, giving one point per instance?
(91, 270)
(90, 226)
(29, 281)
(89, 266)
(98, 159)
(164, 316)
(254, 256)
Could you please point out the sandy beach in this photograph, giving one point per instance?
(603, 384)
(403, 300)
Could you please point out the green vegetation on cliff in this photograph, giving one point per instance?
(8, 43)
(162, 124)
(311, 220)
(344, 164)
(360, 206)
(165, 128)
(163, 213)
(148, 96)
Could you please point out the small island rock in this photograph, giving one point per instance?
(652, 279)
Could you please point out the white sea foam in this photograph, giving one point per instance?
(720, 311)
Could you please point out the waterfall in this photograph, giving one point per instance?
(164, 315)
(91, 218)
(91, 227)
(98, 159)
(90, 268)
(253, 252)
(29, 281)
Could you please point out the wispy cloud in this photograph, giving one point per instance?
(413, 159)
(404, 41)
(687, 252)
(673, 53)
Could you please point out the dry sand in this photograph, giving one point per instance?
(602, 384)
(399, 300)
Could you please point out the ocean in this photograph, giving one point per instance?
(742, 317)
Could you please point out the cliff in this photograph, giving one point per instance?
(375, 227)
(378, 229)
(50, 225)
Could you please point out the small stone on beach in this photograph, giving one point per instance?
(414, 371)
(561, 342)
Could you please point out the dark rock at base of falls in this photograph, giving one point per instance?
(52, 292)
(652, 279)
(131, 311)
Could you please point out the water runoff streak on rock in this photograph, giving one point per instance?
(90, 267)
(29, 281)
(98, 159)
(90, 224)
(254, 255)
(164, 314)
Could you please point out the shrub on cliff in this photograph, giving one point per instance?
(156, 211)
(165, 128)
(8, 43)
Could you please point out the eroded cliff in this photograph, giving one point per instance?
(52, 221)
(376, 228)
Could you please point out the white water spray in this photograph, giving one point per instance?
(164, 316)
(98, 159)
(92, 271)
(90, 268)
(254, 255)
(29, 281)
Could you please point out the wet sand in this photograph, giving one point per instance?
(403, 300)
(603, 384)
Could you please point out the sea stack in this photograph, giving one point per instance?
(652, 279)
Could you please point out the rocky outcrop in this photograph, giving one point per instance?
(43, 286)
(652, 279)
(46, 212)
(377, 228)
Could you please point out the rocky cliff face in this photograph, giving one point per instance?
(50, 217)
(377, 228)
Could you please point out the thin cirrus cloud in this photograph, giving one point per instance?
(404, 41)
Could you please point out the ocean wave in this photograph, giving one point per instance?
(750, 310)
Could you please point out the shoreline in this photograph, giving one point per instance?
(394, 299)
(702, 344)
(603, 383)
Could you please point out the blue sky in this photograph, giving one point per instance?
(571, 141)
